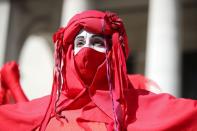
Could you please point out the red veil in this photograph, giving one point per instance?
(114, 98)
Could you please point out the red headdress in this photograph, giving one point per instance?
(105, 23)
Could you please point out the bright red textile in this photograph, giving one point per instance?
(85, 66)
(10, 88)
(127, 106)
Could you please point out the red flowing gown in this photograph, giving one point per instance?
(147, 112)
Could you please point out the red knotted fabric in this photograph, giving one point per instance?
(112, 101)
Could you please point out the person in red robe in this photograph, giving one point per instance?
(91, 88)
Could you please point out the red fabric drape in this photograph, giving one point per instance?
(10, 88)
(112, 101)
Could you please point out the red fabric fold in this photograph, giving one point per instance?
(113, 100)
(10, 88)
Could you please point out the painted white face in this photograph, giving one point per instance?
(87, 39)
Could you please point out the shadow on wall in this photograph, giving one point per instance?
(189, 75)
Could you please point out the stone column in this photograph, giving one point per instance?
(163, 45)
(4, 15)
(71, 7)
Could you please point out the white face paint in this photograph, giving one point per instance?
(87, 39)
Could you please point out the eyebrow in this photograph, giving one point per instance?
(79, 37)
(93, 36)
(102, 36)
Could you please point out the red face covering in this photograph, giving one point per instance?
(87, 61)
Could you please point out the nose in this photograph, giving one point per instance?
(87, 42)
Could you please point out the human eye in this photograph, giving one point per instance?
(79, 42)
(98, 42)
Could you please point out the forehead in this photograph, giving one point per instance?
(85, 33)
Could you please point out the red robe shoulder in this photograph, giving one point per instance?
(23, 116)
(147, 112)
